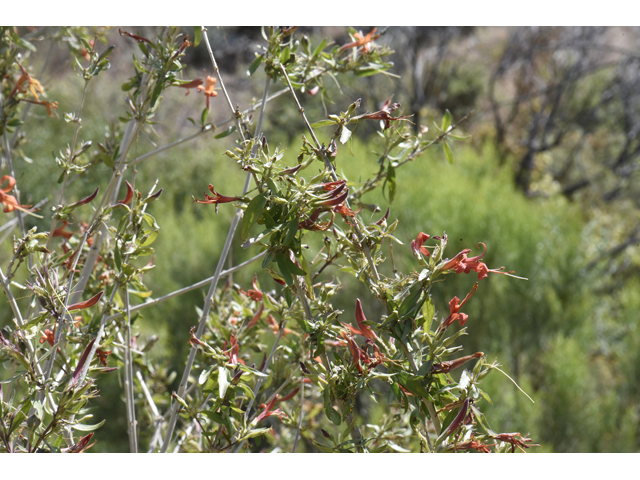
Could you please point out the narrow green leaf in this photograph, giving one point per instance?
(247, 369)
(391, 181)
(290, 232)
(88, 428)
(252, 214)
(255, 64)
(283, 265)
(447, 152)
(446, 121)
(331, 413)
(197, 33)
(227, 132)
(323, 123)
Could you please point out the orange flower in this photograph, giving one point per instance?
(50, 106)
(35, 86)
(61, 232)
(102, 355)
(363, 43)
(454, 308)
(417, 247)
(48, 336)
(9, 201)
(208, 88)
(254, 294)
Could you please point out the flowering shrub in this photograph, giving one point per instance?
(269, 367)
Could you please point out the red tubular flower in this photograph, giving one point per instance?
(334, 185)
(457, 262)
(256, 317)
(216, 199)
(462, 264)
(86, 304)
(61, 232)
(128, 197)
(233, 352)
(474, 445)
(50, 106)
(384, 218)
(254, 294)
(267, 412)
(385, 114)
(454, 309)
(137, 38)
(102, 355)
(521, 442)
(192, 84)
(446, 367)
(417, 247)
(9, 201)
(81, 446)
(360, 318)
(363, 42)
(289, 396)
(48, 336)
(453, 426)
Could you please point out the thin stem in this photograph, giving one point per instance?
(206, 129)
(195, 286)
(157, 418)
(297, 435)
(224, 90)
(128, 387)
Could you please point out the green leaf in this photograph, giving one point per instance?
(88, 428)
(227, 132)
(255, 64)
(252, 213)
(447, 152)
(413, 384)
(290, 232)
(391, 181)
(247, 369)
(323, 123)
(428, 311)
(203, 117)
(446, 121)
(283, 265)
(331, 413)
(319, 48)
(197, 32)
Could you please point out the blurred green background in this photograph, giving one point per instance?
(548, 182)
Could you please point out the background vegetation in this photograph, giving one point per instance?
(548, 182)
